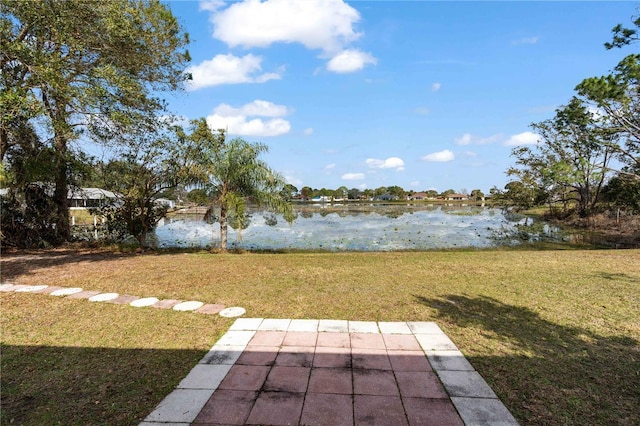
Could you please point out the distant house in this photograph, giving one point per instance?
(321, 199)
(385, 197)
(166, 202)
(419, 196)
(456, 197)
(82, 198)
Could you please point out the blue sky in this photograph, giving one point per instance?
(424, 95)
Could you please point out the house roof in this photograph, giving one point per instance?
(90, 193)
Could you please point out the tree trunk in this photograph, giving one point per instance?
(223, 227)
(60, 194)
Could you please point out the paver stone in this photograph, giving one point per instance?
(287, 379)
(277, 408)
(374, 382)
(431, 412)
(323, 409)
(227, 407)
(420, 384)
(375, 410)
(331, 380)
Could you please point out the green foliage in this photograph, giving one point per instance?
(617, 96)
(623, 36)
(623, 191)
(477, 195)
(571, 161)
(235, 174)
(198, 196)
(71, 65)
(26, 218)
(521, 195)
(150, 165)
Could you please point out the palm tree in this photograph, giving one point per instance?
(236, 175)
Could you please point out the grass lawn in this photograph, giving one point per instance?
(555, 333)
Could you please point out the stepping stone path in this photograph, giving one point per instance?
(125, 299)
(289, 371)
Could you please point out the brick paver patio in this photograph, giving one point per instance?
(328, 372)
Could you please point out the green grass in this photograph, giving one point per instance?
(555, 333)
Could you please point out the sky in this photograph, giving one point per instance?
(364, 94)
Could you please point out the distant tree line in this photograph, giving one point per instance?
(588, 157)
(290, 192)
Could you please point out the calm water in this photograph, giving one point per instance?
(353, 228)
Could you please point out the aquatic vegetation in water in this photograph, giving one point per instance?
(348, 228)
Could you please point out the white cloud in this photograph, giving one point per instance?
(464, 140)
(330, 166)
(389, 163)
(237, 121)
(422, 111)
(525, 40)
(349, 61)
(293, 180)
(257, 107)
(470, 154)
(440, 156)
(353, 176)
(308, 131)
(229, 69)
(362, 186)
(211, 5)
(524, 138)
(468, 139)
(435, 87)
(324, 25)
(321, 24)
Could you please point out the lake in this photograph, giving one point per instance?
(354, 227)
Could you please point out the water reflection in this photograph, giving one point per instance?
(352, 228)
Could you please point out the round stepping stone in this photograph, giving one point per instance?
(31, 288)
(103, 297)
(66, 291)
(188, 306)
(145, 301)
(234, 311)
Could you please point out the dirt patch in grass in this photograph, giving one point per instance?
(555, 333)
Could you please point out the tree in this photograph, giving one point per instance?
(617, 95)
(151, 164)
(289, 192)
(198, 196)
(431, 193)
(306, 192)
(573, 153)
(477, 195)
(516, 194)
(623, 191)
(397, 192)
(85, 68)
(341, 193)
(235, 174)
(354, 194)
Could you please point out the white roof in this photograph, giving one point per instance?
(91, 193)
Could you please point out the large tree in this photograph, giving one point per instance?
(236, 175)
(617, 96)
(572, 158)
(149, 165)
(87, 67)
